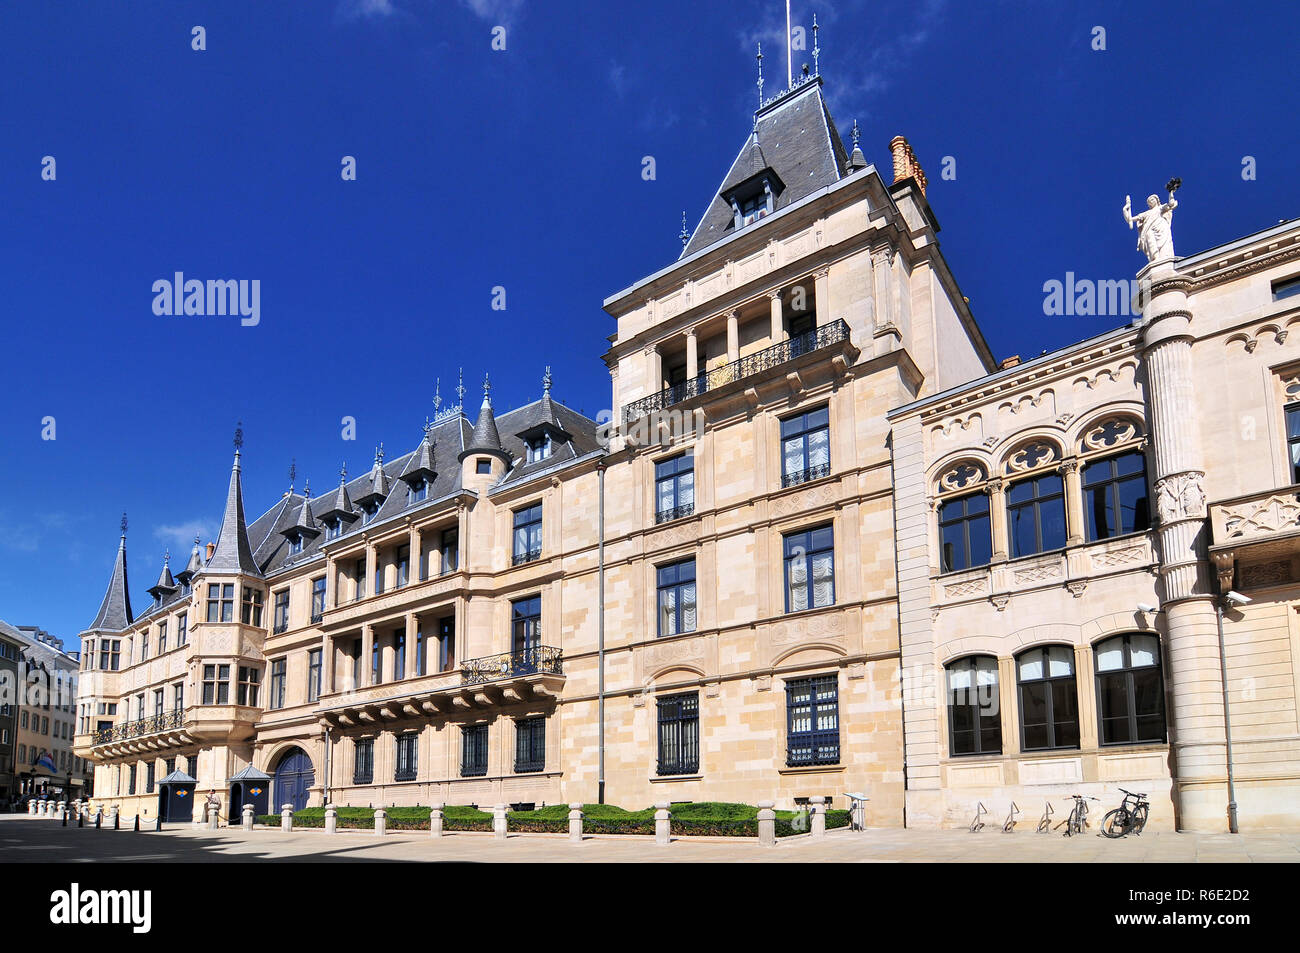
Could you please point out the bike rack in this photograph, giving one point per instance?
(1011, 819)
(977, 824)
(1045, 822)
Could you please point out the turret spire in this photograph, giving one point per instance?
(232, 553)
(114, 613)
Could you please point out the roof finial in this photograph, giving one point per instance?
(855, 134)
(487, 391)
(343, 473)
(293, 473)
(306, 495)
(546, 381)
(685, 236)
(428, 427)
(239, 437)
(460, 386)
(437, 395)
(816, 50)
(760, 81)
(379, 454)
(124, 525)
(167, 556)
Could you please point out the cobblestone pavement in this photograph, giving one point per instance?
(31, 839)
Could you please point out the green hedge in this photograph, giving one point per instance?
(700, 819)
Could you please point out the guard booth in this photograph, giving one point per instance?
(249, 786)
(176, 797)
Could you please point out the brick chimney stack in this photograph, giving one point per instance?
(905, 164)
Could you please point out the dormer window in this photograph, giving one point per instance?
(539, 448)
(333, 528)
(295, 545)
(755, 207)
(417, 491)
(369, 512)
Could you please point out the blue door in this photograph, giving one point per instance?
(293, 777)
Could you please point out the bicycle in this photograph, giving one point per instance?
(1077, 822)
(1129, 818)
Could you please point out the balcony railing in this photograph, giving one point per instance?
(796, 477)
(141, 727)
(674, 513)
(813, 748)
(835, 332)
(537, 660)
(526, 556)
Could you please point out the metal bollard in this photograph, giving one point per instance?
(499, 821)
(99, 819)
(575, 823)
(435, 820)
(818, 827)
(766, 823)
(158, 823)
(286, 817)
(247, 818)
(137, 824)
(663, 825)
(115, 815)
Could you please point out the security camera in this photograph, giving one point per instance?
(1144, 607)
(1236, 598)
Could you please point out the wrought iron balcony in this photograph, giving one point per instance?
(526, 556)
(141, 727)
(810, 748)
(537, 660)
(836, 332)
(674, 513)
(806, 475)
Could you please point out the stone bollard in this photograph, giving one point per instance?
(331, 819)
(381, 822)
(575, 823)
(58, 811)
(817, 827)
(214, 817)
(247, 817)
(286, 817)
(32, 806)
(435, 820)
(663, 825)
(499, 821)
(766, 824)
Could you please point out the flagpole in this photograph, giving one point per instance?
(789, 66)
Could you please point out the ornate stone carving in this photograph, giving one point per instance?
(1111, 432)
(972, 587)
(1118, 557)
(962, 475)
(1180, 496)
(1261, 517)
(1000, 600)
(1155, 225)
(1077, 587)
(1038, 573)
(1031, 456)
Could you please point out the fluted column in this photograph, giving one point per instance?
(330, 652)
(1196, 725)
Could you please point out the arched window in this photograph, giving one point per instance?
(1114, 486)
(1130, 689)
(965, 538)
(1049, 701)
(1036, 503)
(974, 717)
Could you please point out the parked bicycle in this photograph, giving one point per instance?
(1077, 822)
(1129, 818)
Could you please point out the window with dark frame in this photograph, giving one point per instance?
(965, 534)
(399, 656)
(407, 767)
(363, 761)
(1115, 496)
(182, 628)
(216, 684)
(809, 569)
(450, 543)
(527, 534)
(679, 734)
(1293, 439)
(805, 447)
(676, 598)
(282, 611)
(1036, 515)
(403, 565)
(530, 745)
(1286, 288)
(974, 717)
(1130, 690)
(525, 633)
(317, 599)
(150, 769)
(279, 669)
(162, 637)
(250, 680)
(221, 602)
(812, 708)
(314, 670)
(474, 751)
(1049, 699)
(675, 488)
(446, 644)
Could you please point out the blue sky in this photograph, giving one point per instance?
(519, 168)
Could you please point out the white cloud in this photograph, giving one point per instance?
(496, 12)
(365, 9)
(181, 535)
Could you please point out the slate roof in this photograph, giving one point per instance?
(249, 773)
(233, 554)
(114, 613)
(796, 138)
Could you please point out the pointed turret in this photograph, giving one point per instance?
(339, 509)
(232, 553)
(377, 492)
(115, 611)
(544, 430)
(186, 576)
(421, 469)
(165, 585)
(485, 438)
(304, 527)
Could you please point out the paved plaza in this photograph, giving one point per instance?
(30, 839)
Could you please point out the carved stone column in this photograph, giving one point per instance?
(997, 518)
(778, 320)
(1075, 529)
(822, 296)
(692, 355)
(367, 656)
(1195, 719)
(733, 337)
(412, 649)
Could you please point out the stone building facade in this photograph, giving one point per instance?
(736, 588)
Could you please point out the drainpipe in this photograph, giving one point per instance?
(325, 791)
(1227, 720)
(600, 645)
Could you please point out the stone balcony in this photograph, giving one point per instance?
(531, 674)
(173, 729)
(1256, 538)
(411, 595)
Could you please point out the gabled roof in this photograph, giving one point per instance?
(794, 137)
(249, 773)
(114, 613)
(178, 777)
(233, 554)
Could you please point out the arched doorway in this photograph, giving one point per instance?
(293, 779)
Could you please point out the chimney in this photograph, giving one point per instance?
(1011, 361)
(905, 164)
(212, 548)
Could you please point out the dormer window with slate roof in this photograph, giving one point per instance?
(421, 473)
(339, 512)
(373, 498)
(417, 490)
(304, 529)
(539, 448)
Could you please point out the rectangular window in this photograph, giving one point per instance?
(526, 633)
(178, 696)
(399, 656)
(406, 756)
(182, 628)
(249, 681)
(110, 654)
(482, 465)
(162, 637)
(282, 611)
(1286, 288)
(421, 653)
(675, 488)
(447, 644)
(810, 569)
(130, 779)
(158, 701)
(314, 670)
(363, 765)
(144, 646)
(221, 602)
(450, 545)
(417, 491)
(317, 599)
(676, 584)
(403, 564)
(974, 717)
(528, 534)
(965, 539)
(279, 668)
(473, 751)
(1115, 496)
(1293, 439)
(252, 608)
(539, 448)
(216, 684)
(1036, 515)
(149, 770)
(805, 447)
(812, 710)
(679, 734)
(530, 745)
